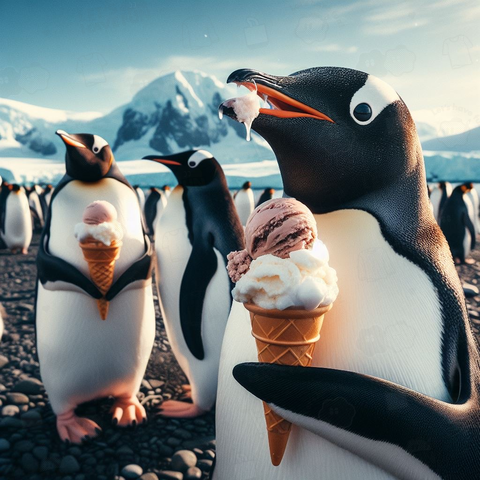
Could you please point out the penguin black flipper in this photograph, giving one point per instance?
(201, 268)
(140, 270)
(375, 419)
(53, 269)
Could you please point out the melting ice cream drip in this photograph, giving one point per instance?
(246, 108)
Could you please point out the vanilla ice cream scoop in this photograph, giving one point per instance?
(99, 223)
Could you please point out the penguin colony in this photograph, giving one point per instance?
(197, 224)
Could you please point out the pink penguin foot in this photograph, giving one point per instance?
(24, 251)
(75, 429)
(128, 412)
(187, 391)
(176, 409)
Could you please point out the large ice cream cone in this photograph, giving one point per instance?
(285, 337)
(101, 264)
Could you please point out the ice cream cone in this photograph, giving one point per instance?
(285, 337)
(101, 264)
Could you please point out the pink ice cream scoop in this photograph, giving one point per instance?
(278, 227)
(98, 212)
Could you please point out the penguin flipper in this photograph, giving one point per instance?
(347, 408)
(140, 270)
(201, 268)
(471, 229)
(53, 269)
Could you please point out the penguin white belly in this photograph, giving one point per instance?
(81, 356)
(18, 221)
(244, 203)
(435, 199)
(386, 322)
(173, 251)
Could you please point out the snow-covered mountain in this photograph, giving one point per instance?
(175, 112)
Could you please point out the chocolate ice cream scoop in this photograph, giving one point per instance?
(278, 227)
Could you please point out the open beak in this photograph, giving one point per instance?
(165, 161)
(69, 140)
(268, 89)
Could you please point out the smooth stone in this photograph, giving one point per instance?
(17, 398)
(124, 450)
(193, 473)
(11, 422)
(131, 471)
(10, 410)
(156, 383)
(173, 442)
(470, 290)
(24, 446)
(149, 476)
(183, 460)
(29, 386)
(29, 463)
(4, 444)
(3, 361)
(31, 415)
(69, 464)
(205, 465)
(41, 452)
(170, 475)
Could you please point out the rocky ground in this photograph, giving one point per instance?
(30, 448)
(161, 449)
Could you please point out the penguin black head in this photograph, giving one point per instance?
(166, 188)
(332, 125)
(193, 168)
(247, 185)
(466, 187)
(88, 158)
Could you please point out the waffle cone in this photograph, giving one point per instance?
(101, 264)
(284, 337)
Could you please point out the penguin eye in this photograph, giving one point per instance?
(362, 112)
(98, 143)
(198, 157)
(95, 149)
(192, 164)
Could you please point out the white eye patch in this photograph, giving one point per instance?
(198, 157)
(371, 99)
(98, 144)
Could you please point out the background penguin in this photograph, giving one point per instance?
(16, 220)
(45, 197)
(397, 394)
(36, 208)
(141, 196)
(456, 223)
(266, 195)
(82, 357)
(196, 232)
(154, 207)
(473, 196)
(167, 190)
(244, 202)
(439, 196)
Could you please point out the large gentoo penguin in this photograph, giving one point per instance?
(244, 201)
(456, 223)
(16, 220)
(266, 195)
(438, 197)
(396, 390)
(197, 230)
(154, 206)
(82, 357)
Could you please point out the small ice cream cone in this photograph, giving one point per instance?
(101, 264)
(284, 337)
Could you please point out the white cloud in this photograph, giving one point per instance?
(334, 47)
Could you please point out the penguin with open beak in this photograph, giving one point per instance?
(394, 391)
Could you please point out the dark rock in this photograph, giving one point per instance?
(29, 463)
(41, 452)
(183, 460)
(124, 450)
(193, 473)
(4, 445)
(69, 464)
(470, 290)
(205, 465)
(47, 466)
(29, 386)
(173, 442)
(31, 416)
(11, 422)
(24, 446)
(131, 471)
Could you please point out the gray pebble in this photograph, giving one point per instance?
(29, 386)
(205, 465)
(4, 444)
(3, 361)
(131, 471)
(470, 290)
(31, 415)
(170, 475)
(149, 476)
(10, 410)
(69, 464)
(193, 473)
(11, 422)
(24, 446)
(17, 398)
(124, 450)
(173, 442)
(41, 452)
(29, 463)
(183, 460)
(156, 383)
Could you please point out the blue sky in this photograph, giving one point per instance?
(95, 55)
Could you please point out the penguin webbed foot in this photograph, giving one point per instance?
(128, 412)
(177, 409)
(73, 429)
